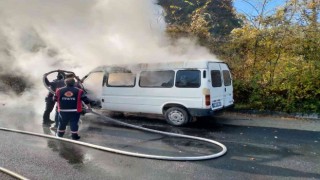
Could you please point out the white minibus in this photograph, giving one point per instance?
(177, 90)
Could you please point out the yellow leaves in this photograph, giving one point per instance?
(199, 26)
(237, 32)
(313, 4)
(190, 3)
(280, 14)
(245, 33)
(175, 7)
(177, 31)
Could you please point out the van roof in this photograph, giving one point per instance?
(202, 64)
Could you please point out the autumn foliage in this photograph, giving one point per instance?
(274, 57)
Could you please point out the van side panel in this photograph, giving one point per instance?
(149, 100)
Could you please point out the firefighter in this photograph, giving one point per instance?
(69, 100)
(57, 83)
(78, 82)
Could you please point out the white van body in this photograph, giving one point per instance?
(178, 90)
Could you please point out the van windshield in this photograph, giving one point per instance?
(93, 84)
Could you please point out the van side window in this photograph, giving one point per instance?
(216, 78)
(226, 77)
(159, 79)
(188, 79)
(120, 79)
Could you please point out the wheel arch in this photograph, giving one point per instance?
(170, 105)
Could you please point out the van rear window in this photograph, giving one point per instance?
(226, 77)
(121, 80)
(161, 79)
(188, 79)
(216, 78)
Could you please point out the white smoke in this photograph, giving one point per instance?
(37, 36)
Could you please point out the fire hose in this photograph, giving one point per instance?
(12, 174)
(135, 154)
(141, 155)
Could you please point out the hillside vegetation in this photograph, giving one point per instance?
(274, 57)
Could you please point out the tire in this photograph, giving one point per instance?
(177, 116)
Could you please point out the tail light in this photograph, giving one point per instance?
(207, 99)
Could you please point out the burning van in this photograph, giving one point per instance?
(177, 90)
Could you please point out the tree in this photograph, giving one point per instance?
(218, 16)
(275, 58)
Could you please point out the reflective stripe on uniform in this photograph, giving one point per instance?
(74, 132)
(79, 104)
(68, 110)
(61, 130)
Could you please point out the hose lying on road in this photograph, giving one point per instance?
(12, 174)
(141, 155)
(222, 152)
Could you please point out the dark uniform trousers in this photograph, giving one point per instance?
(49, 107)
(50, 102)
(64, 118)
(69, 100)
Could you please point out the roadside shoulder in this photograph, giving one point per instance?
(264, 120)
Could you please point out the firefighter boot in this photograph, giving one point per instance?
(60, 134)
(75, 136)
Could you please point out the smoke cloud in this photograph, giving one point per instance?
(37, 36)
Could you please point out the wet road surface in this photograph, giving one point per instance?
(261, 151)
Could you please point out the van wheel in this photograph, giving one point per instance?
(177, 116)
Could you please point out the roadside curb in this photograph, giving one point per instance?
(311, 116)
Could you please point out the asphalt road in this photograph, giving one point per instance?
(258, 148)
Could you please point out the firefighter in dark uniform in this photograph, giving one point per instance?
(57, 83)
(69, 100)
